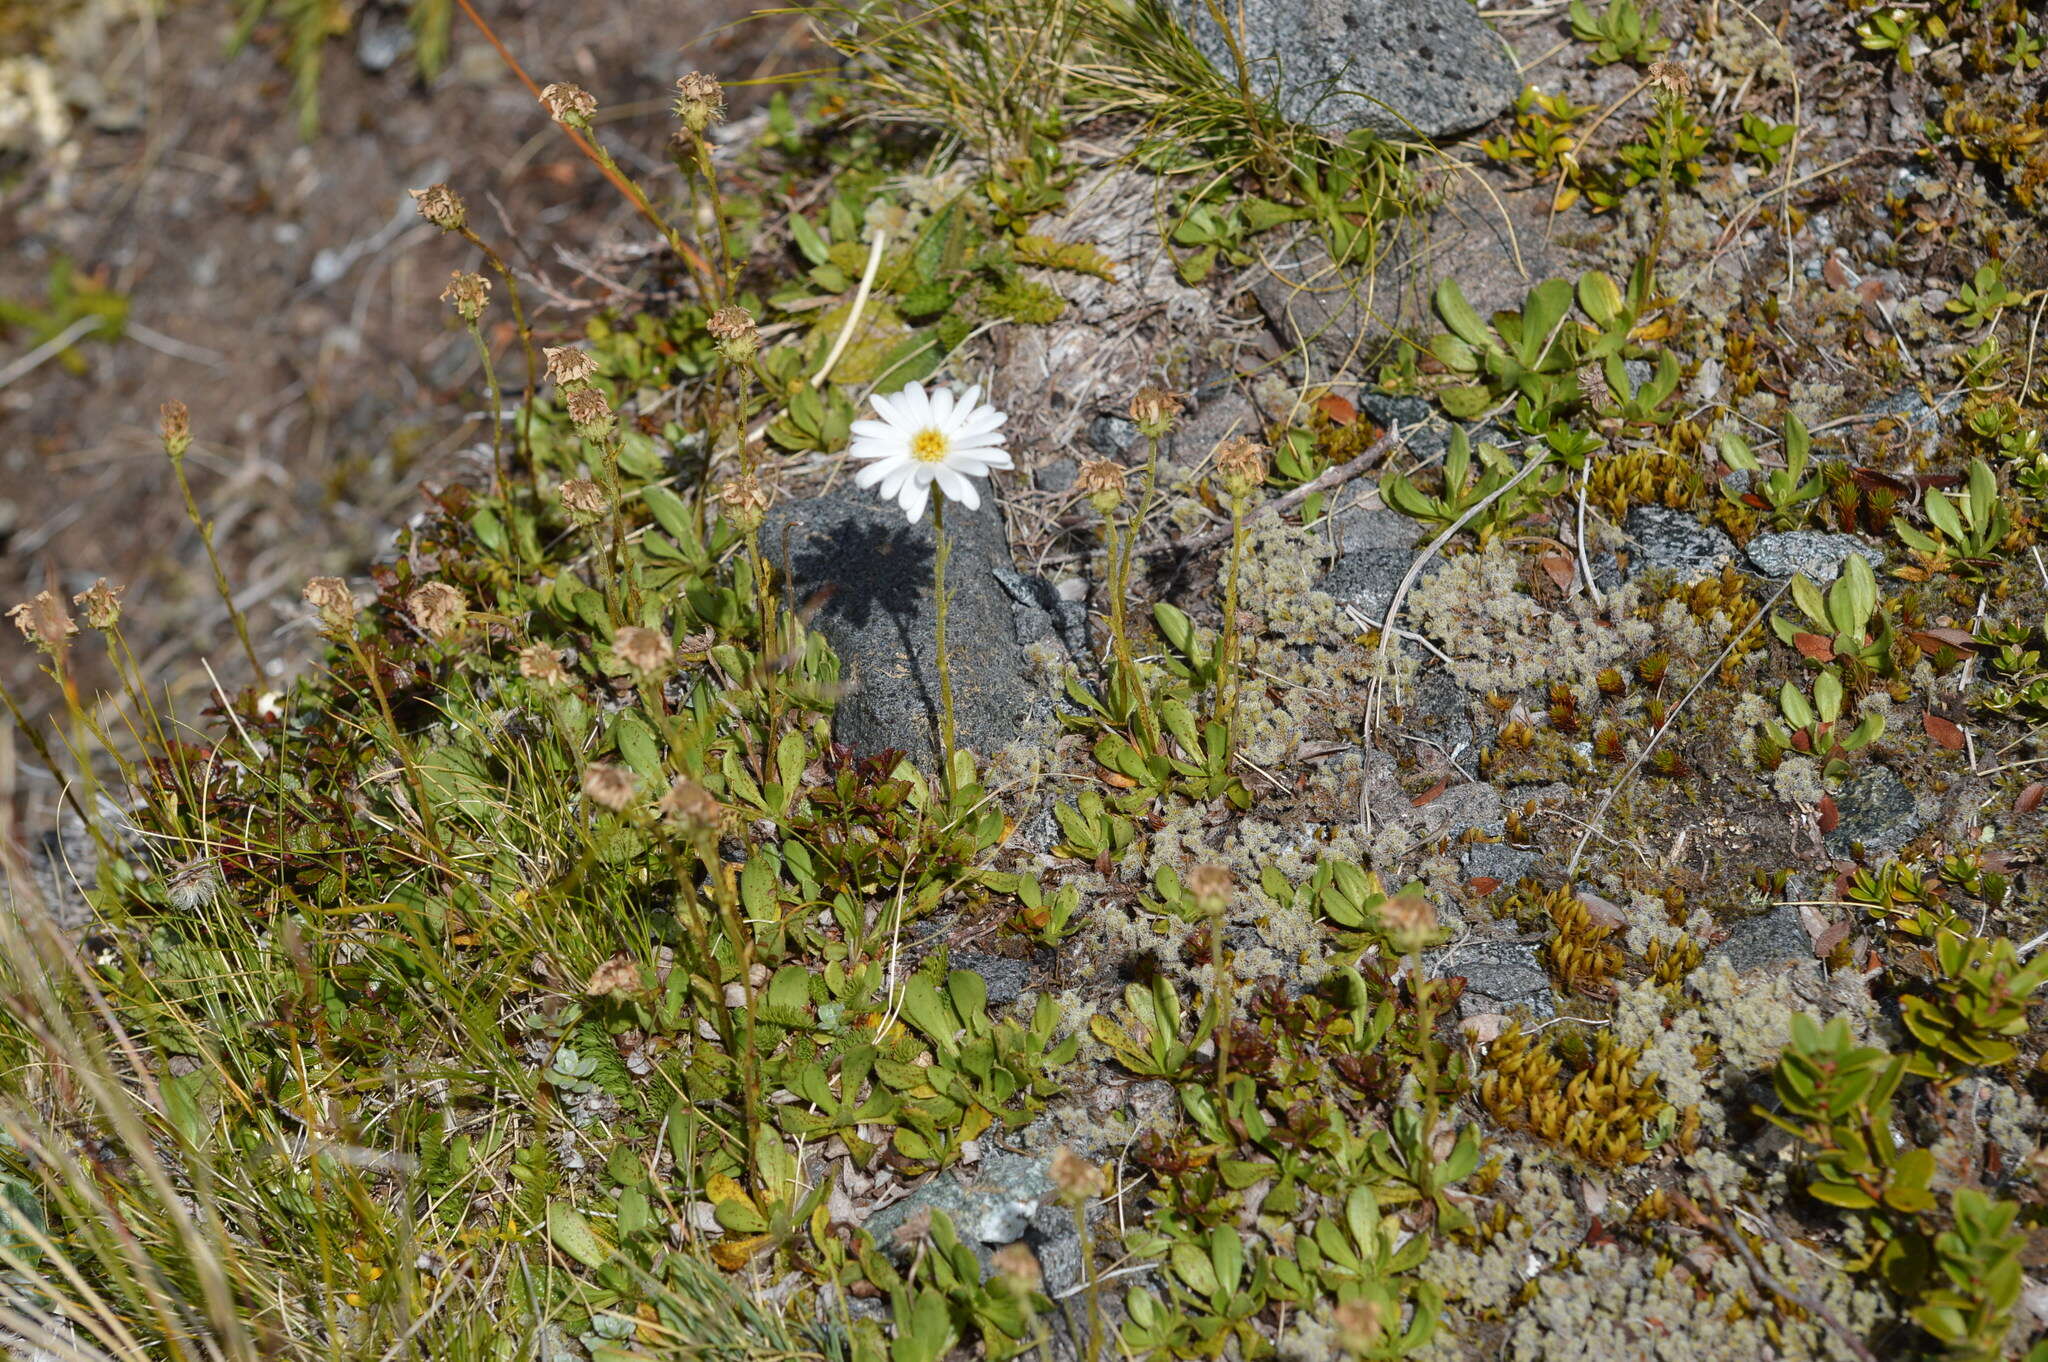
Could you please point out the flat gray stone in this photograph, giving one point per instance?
(1497, 861)
(1000, 1200)
(878, 616)
(1002, 976)
(1817, 553)
(1771, 940)
(1665, 540)
(1876, 813)
(1399, 68)
(1499, 976)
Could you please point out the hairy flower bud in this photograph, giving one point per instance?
(644, 650)
(437, 608)
(1241, 464)
(538, 663)
(584, 499)
(175, 426)
(1154, 410)
(609, 785)
(690, 805)
(739, 340)
(590, 413)
(745, 502)
(1209, 885)
(44, 621)
(101, 604)
(1102, 482)
(569, 366)
(332, 598)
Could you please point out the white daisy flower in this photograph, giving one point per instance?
(923, 438)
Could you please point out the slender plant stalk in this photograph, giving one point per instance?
(1226, 649)
(220, 577)
(504, 272)
(942, 550)
(483, 352)
(1219, 967)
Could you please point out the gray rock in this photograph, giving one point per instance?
(1373, 527)
(382, 41)
(878, 615)
(1041, 613)
(1216, 415)
(1499, 975)
(1915, 412)
(1400, 68)
(1817, 553)
(1771, 940)
(1671, 541)
(1112, 436)
(1003, 977)
(1057, 476)
(1497, 861)
(1004, 1198)
(1491, 238)
(1368, 578)
(1877, 814)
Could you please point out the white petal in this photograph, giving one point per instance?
(873, 473)
(988, 441)
(874, 430)
(942, 408)
(959, 488)
(898, 475)
(886, 409)
(868, 447)
(915, 405)
(983, 421)
(982, 459)
(970, 399)
(915, 496)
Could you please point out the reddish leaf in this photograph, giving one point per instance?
(1601, 912)
(1814, 646)
(1942, 731)
(1935, 639)
(1559, 567)
(1834, 935)
(1829, 815)
(1483, 885)
(1443, 783)
(1338, 410)
(2030, 798)
(1834, 272)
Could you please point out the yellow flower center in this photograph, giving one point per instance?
(929, 446)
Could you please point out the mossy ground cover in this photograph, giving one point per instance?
(539, 977)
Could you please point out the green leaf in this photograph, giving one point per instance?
(1465, 323)
(571, 1233)
(808, 242)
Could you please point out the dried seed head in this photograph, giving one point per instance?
(616, 977)
(441, 206)
(1671, 77)
(191, 885)
(538, 663)
(44, 621)
(332, 598)
(437, 608)
(644, 650)
(1154, 410)
(1018, 1263)
(690, 805)
(1102, 482)
(101, 604)
(609, 785)
(568, 365)
(1409, 921)
(1076, 1179)
(174, 424)
(700, 101)
(915, 1229)
(745, 502)
(569, 105)
(468, 294)
(1241, 463)
(590, 413)
(1362, 1323)
(739, 340)
(584, 498)
(1209, 885)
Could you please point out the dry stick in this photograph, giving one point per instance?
(620, 182)
(1400, 598)
(1326, 480)
(1572, 866)
(1732, 1232)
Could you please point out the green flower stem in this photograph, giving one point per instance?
(483, 353)
(504, 272)
(941, 551)
(220, 577)
(1226, 649)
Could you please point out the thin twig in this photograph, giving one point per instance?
(1733, 1235)
(1326, 480)
(1670, 722)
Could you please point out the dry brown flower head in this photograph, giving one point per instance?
(589, 412)
(739, 339)
(610, 785)
(584, 497)
(700, 101)
(1018, 1263)
(1409, 921)
(616, 977)
(745, 502)
(437, 608)
(1102, 482)
(468, 294)
(644, 650)
(441, 206)
(1672, 77)
(44, 621)
(538, 662)
(568, 365)
(101, 604)
(569, 104)
(1077, 1179)
(690, 804)
(1241, 463)
(1154, 410)
(1209, 885)
(332, 598)
(174, 424)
